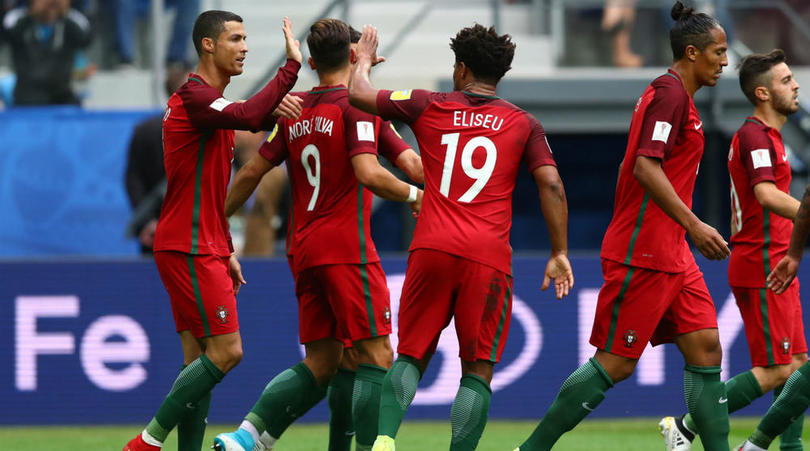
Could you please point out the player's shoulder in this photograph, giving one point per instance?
(670, 87)
(752, 130)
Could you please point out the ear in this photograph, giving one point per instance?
(208, 45)
(352, 56)
(762, 93)
(462, 70)
(691, 53)
(311, 63)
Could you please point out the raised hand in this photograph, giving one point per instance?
(293, 46)
(367, 46)
(559, 269)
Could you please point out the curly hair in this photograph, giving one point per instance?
(690, 28)
(328, 43)
(754, 71)
(487, 54)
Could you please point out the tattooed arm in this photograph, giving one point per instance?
(784, 272)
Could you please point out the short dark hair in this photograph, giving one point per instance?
(754, 70)
(690, 28)
(210, 24)
(487, 54)
(354, 35)
(328, 43)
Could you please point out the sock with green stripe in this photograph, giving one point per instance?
(791, 438)
(192, 384)
(707, 402)
(191, 428)
(288, 396)
(791, 403)
(580, 394)
(366, 403)
(468, 416)
(398, 390)
(339, 398)
(741, 390)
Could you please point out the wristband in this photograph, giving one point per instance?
(412, 191)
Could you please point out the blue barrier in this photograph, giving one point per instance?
(94, 342)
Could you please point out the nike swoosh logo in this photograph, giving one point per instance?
(190, 405)
(784, 157)
(722, 400)
(698, 125)
(587, 407)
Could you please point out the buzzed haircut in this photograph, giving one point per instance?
(328, 43)
(487, 54)
(755, 70)
(354, 35)
(210, 24)
(690, 28)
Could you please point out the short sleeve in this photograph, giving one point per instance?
(757, 155)
(391, 143)
(273, 149)
(405, 106)
(663, 119)
(362, 131)
(537, 151)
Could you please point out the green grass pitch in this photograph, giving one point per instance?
(591, 435)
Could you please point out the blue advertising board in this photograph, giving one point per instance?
(93, 342)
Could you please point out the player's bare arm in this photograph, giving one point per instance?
(784, 271)
(245, 182)
(555, 211)
(775, 200)
(379, 181)
(706, 238)
(362, 94)
(411, 164)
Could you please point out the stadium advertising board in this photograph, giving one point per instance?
(94, 342)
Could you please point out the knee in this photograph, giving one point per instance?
(781, 374)
(323, 367)
(621, 372)
(375, 351)
(226, 359)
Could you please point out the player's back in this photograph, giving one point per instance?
(331, 210)
(471, 147)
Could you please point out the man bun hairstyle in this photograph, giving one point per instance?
(487, 54)
(210, 24)
(755, 70)
(328, 43)
(690, 28)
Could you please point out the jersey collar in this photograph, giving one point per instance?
(322, 89)
(472, 94)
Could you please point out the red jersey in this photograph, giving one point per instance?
(665, 126)
(471, 146)
(197, 153)
(760, 238)
(329, 221)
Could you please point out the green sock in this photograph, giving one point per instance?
(191, 429)
(192, 384)
(366, 403)
(791, 438)
(792, 403)
(339, 398)
(288, 396)
(707, 402)
(468, 416)
(579, 395)
(741, 390)
(398, 390)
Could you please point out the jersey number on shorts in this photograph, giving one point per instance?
(313, 174)
(480, 175)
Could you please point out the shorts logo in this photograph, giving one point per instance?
(222, 314)
(387, 315)
(630, 338)
(786, 346)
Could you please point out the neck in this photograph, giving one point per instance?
(212, 76)
(769, 116)
(687, 78)
(479, 87)
(338, 77)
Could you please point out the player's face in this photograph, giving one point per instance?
(784, 90)
(710, 61)
(230, 48)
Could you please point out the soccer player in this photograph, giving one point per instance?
(193, 250)
(471, 143)
(331, 154)
(762, 214)
(653, 290)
